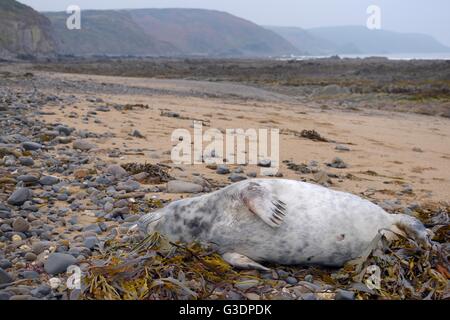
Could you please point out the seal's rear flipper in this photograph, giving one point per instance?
(242, 262)
(261, 202)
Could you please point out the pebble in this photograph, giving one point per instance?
(31, 146)
(117, 171)
(21, 225)
(19, 196)
(83, 145)
(337, 163)
(236, 177)
(178, 186)
(340, 147)
(344, 295)
(26, 161)
(222, 169)
(49, 180)
(58, 263)
(5, 277)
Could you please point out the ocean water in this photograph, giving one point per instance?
(395, 56)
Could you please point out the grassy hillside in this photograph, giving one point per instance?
(154, 32)
(107, 33)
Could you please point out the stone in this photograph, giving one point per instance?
(321, 177)
(246, 284)
(20, 225)
(337, 163)
(128, 186)
(58, 263)
(5, 264)
(30, 256)
(222, 169)
(344, 295)
(178, 186)
(83, 145)
(135, 133)
(39, 247)
(117, 171)
(49, 180)
(26, 161)
(236, 177)
(90, 242)
(31, 146)
(80, 174)
(5, 277)
(28, 178)
(19, 196)
(265, 163)
(340, 147)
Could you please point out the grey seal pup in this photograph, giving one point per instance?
(279, 221)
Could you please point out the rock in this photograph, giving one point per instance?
(31, 146)
(26, 161)
(222, 169)
(291, 280)
(80, 174)
(83, 145)
(48, 180)
(28, 178)
(135, 133)
(321, 177)
(246, 284)
(90, 242)
(117, 171)
(178, 186)
(337, 163)
(5, 264)
(236, 177)
(252, 174)
(128, 186)
(252, 296)
(19, 196)
(5, 277)
(63, 130)
(20, 225)
(415, 149)
(39, 247)
(30, 256)
(58, 263)
(344, 295)
(340, 147)
(265, 163)
(41, 291)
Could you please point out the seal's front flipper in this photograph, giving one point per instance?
(242, 262)
(260, 201)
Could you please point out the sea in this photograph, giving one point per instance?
(395, 56)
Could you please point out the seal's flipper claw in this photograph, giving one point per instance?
(262, 203)
(242, 262)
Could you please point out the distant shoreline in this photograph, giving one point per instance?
(392, 56)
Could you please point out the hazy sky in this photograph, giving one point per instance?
(423, 16)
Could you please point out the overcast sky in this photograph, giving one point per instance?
(424, 16)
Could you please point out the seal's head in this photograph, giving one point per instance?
(149, 222)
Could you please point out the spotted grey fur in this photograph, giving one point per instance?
(280, 221)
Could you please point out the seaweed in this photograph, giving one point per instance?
(155, 174)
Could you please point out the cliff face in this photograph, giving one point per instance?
(24, 32)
